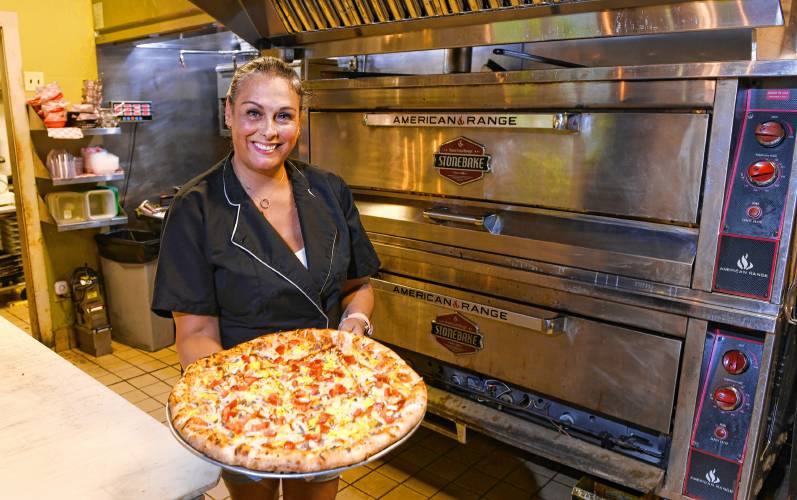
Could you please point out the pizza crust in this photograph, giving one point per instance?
(224, 408)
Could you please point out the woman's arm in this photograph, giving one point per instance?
(197, 336)
(358, 297)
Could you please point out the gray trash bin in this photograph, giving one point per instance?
(128, 259)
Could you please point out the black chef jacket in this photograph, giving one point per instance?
(220, 257)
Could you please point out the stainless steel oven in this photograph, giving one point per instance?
(590, 263)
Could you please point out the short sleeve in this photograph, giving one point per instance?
(184, 278)
(364, 261)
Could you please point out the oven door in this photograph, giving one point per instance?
(619, 372)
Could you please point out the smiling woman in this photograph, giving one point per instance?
(262, 243)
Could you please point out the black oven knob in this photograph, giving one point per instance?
(762, 173)
(770, 134)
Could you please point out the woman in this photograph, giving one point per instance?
(261, 243)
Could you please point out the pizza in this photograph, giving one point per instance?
(300, 401)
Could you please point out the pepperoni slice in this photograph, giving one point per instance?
(289, 445)
(280, 349)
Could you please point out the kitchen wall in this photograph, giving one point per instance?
(57, 38)
(182, 141)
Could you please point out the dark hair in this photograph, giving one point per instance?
(267, 66)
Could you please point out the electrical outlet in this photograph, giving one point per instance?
(33, 79)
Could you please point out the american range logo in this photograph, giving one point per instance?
(713, 480)
(462, 160)
(745, 267)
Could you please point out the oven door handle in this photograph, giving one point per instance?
(489, 222)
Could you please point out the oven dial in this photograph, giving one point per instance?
(762, 173)
(754, 212)
(770, 134)
(727, 398)
(734, 362)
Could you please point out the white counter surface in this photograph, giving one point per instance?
(65, 435)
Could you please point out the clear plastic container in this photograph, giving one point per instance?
(67, 207)
(100, 204)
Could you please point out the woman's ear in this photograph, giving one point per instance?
(227, 112)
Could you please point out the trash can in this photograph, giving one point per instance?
(128, 259)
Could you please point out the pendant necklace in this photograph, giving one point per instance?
(264, 202)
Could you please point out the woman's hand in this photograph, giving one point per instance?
(354, 325)
(357, 302)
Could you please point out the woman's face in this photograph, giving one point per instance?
(264, 121)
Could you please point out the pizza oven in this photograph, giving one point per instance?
(593, 263)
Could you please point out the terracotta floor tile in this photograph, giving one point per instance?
(162, 397)
(156, 388)
(352, 475)
(477, 482)
(568, 476)
(151, 365)
(139, 359)
(128, 354)
(455, 492)
(128, 373)
(401, 492)
(158, 414)
(352, 493)
(162, 353)
(171, 380)
(94, 370)
(143, 380)
(118, 346)
(541, 466)
(554, 491)
(218, 492)
(121, 387)
(419, 455)
(446, 468)
(149, 404)
(108, 379)
(112, 363)
(135, 396)
(166, 373)
(425, 483)
(505, 491)
(464, 454)
(438, 443)
(375, 484)
(399, 470)
(527, 479)
(374, 464)
(499, 463)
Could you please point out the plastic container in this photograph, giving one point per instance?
(100, 204)
(67, 207)
(100, 163)
(128, 246)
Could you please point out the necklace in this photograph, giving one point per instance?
(264, 203)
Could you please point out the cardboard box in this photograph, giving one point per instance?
(588, 488)
(94, 342)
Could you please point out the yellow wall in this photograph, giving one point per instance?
(57, 39)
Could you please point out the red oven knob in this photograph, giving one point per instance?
(735, 362)
(754, 212)
(721, 432)
(727, 398)
(770, 134)
(762, 173)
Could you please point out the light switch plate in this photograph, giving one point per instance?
(33, 79)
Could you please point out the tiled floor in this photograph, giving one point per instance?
(428, 465)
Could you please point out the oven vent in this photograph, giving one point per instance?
(301, 16)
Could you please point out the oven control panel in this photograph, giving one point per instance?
(728, 381)
(756, 194)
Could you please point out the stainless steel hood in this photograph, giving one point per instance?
(327, 28)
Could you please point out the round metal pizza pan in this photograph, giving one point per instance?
(285, 475)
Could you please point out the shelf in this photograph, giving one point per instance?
(37, 125)
(85, 179)
(8, 209)
(88, 224)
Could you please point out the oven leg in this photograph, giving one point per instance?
(458, 432)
